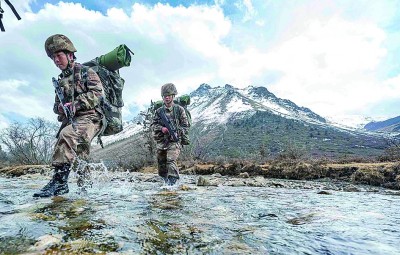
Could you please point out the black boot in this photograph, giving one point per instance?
(172, 180)
(58, 185)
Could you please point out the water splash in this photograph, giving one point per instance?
(134, 213)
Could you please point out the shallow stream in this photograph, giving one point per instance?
(131, 213)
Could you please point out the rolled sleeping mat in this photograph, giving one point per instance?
(117, 58)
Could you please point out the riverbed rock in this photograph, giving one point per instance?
(351, 188)
(202, 181)
(244, 175)
(45, 242)
(324, 192)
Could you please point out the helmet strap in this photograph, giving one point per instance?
(69, 60)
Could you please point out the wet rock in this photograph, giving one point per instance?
(45, 242)
(301, 220)
(264, 215)
(277, 184)
(185, 188)
(167, 206)
(42, 216)
(234, 183)
(152, 179)
(202, 181)
(324, 192)
(244, 175)
(258, 181)
(236, 247)
(79, 245)
(59, 199)
(351, 188)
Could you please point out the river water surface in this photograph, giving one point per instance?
(130, 213)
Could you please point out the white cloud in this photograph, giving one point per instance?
(330, 64)
(170, 44)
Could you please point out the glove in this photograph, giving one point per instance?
(164, 130)
(70, 107)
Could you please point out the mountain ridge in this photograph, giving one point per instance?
(253, 123)
(389, 125)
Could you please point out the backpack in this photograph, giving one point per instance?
(107, 67)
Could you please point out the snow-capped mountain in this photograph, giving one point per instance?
(235, 123)
(218, 105)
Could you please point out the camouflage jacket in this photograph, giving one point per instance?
(178, 117)
(84, 92)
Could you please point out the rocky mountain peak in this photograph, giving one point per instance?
(229, 87)
(203, 89)
(260, 92)
(227, 103)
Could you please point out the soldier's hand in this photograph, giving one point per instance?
(71, 107)
(164, 130)
(60, 108)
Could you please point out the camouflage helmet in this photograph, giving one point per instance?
(58, 42)
(168, 89)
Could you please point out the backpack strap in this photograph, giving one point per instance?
(80, 76)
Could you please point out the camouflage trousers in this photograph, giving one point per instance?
(76, 142)
(166, 159)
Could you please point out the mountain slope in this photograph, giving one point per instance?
(231, 122)
(390, 125)
(253, 123)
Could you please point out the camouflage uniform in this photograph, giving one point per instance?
(167, 150)
(83, 91)
(87, 119)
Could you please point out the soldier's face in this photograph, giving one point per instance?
(168, 99)
(60, 60)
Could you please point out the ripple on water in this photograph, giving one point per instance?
(129, 212)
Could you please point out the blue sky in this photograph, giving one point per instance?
(336, 57)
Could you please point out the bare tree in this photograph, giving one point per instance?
(3, 157)
(392, 151)
(29, 143)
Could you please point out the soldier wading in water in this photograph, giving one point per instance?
(167, 149)
(82, 92)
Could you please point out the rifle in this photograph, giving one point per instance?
(169, 125)
(60, 95)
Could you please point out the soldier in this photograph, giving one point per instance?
(167, 149)
(83, 91)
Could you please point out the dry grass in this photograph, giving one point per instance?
(15, 171)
